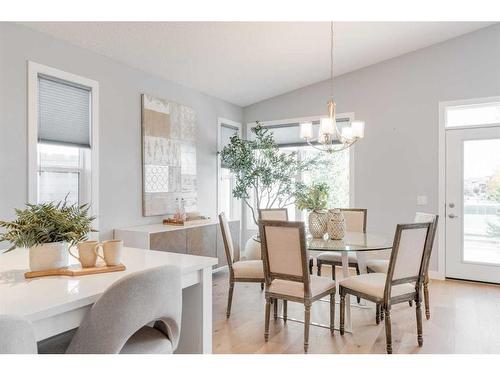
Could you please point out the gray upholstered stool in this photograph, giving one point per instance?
(16, 335)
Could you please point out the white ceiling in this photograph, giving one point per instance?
(246, 62)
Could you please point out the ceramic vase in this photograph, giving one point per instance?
(336, 224)
(252, 249)
(48, 256)
(318, 221)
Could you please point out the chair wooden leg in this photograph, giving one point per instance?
(332, 313)
(275, 303)
(426, 300)
(307, 321)
(334, 273)
(342, 311)
(388, 331)
(381, 313)
(285, 310)
(268, 316)
(418, 309)
(311, 266)
(261, 286)
(229, 299)
(358, 299)
(377, 314)
(318, 266)
(410, 303)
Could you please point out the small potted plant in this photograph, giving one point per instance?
(315, 199)
(47, 229)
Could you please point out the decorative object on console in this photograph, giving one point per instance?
(314, 199)
(47, 229)
(336, 224)
(169, 156)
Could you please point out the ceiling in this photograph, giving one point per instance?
(246, 62)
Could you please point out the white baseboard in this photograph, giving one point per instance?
(436, 275)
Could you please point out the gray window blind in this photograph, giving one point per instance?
(288, 135)
(226, 132)
(63, 112)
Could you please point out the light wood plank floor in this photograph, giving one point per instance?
(465, 318)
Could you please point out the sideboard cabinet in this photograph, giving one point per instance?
(199, 239)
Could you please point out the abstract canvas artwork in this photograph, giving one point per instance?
(168, 156)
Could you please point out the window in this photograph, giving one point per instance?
(477, 114)
(226, 202)
(62, 137)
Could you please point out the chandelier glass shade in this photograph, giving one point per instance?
(330, 138)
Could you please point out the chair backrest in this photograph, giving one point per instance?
(16, 336)
(284, 251)
(129, 304)
(273, 214)
(227, 239)
(410, 251)
(422, 217)
(355, 219)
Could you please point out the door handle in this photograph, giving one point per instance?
(452, 216)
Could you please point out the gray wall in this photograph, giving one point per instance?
(120, 86)
(398, 99)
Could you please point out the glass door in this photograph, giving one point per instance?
(473, 204)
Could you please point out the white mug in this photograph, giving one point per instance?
(87, 253)
(111, 252)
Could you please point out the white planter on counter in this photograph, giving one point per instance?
(48, 256)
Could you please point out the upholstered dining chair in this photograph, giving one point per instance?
(280, 214)
(286, 272)
(382, 265)
(243, 271)
(355, 219)
(138, 314)
(403, 282)
(16, 335)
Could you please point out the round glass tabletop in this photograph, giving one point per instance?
(352, 241)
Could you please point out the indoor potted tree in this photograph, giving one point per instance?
(47, 229)
(264, 175)
(315, 199)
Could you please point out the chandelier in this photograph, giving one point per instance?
(330, 137)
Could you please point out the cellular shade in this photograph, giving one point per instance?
(63, 112)
(226, 132)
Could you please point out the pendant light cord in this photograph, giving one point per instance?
(331, 59)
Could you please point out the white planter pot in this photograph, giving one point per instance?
(48, 256)
(252, 249)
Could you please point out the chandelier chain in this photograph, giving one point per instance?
(331, 59)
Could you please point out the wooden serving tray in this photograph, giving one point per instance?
(76, 270)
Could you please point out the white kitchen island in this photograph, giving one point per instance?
(57, 304)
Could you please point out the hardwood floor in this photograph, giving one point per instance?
(464, 319)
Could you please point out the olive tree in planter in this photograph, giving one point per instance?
(265, 177)
(315, 199)
(47, 229)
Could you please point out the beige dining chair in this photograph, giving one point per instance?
(403, 282)
(280, 214)
(243, 271)
(355, 219)
(138, 314)
(382, 265)
(17, 335)
(286, 272)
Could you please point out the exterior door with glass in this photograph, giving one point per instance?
(473, 204)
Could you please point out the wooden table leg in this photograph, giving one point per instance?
(345, 274)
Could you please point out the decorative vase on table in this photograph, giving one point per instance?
(336, 224)
(252, 249)
(48, 256)
(318, 220)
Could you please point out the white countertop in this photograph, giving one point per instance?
(41, 297)
(158, 228)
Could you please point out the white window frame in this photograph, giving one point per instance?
(349, 115)
(34, 70)
(441, 272)
(236, 207)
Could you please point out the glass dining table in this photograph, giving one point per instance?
(357, 242)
